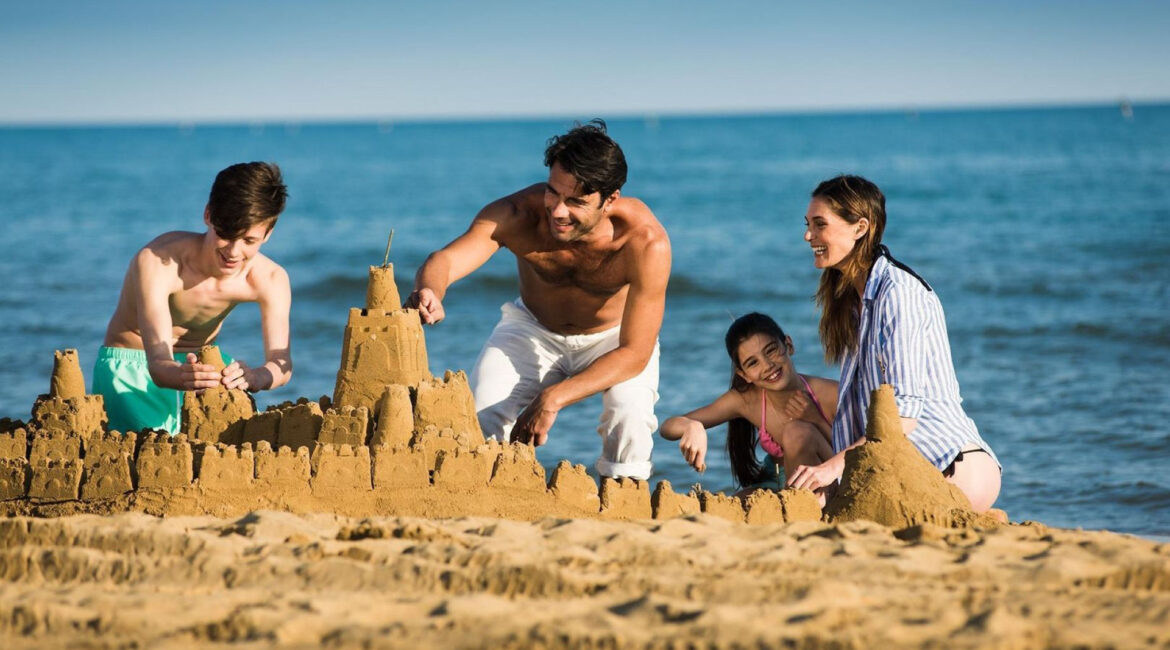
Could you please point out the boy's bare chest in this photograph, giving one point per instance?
(205, 303)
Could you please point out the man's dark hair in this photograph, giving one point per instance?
(591, 156)
(244, 195)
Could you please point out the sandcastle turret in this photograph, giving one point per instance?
(381, 291)
(216, 414)
(888, 480)
(67, 381)
(383, 345)
(66, 409)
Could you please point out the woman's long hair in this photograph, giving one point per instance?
(852, 198)
(741, 435)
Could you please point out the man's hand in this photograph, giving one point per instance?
(693, 445)
(197, 376)
(430, 308)
(815, 477)
(534, 423)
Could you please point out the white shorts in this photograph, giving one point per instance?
(522, 357)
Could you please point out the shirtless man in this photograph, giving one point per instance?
(177, 292)
(593, 268)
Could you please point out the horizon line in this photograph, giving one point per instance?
(622, 115)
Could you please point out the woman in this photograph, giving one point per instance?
(884, 324)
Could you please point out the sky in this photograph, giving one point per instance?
(119, 61)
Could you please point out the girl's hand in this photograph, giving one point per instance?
(815, 477)
(693, 445)
(797, 405)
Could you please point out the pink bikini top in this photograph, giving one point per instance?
(766, 441)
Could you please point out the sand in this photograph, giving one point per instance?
(275, 579)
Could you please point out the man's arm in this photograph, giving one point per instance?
(275, 299)
(456, 260)
(151, 279)
(641, 322)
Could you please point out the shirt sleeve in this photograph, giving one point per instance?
(904, 315)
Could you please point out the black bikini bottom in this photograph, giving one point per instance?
(950, 470)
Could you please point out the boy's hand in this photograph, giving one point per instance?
(197, 376)
(693, 446)
(430, 308)
(797, 405)
(236, 376)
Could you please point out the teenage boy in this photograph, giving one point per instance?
(176, 294)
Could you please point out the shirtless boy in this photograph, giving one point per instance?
(177, 292)
(593, 267)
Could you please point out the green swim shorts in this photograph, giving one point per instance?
(133, 401)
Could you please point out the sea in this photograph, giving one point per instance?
(1045, 232)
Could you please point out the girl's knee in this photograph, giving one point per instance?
(797, 435)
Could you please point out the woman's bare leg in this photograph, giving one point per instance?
(978, 476)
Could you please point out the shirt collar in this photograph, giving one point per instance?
(877, 273)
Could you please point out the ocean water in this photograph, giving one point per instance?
(1044, 231)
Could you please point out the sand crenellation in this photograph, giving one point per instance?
(393, 439)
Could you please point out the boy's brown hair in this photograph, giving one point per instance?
(244, 195)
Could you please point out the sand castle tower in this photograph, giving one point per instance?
(383, 345)
(887, 479)
(216, 414)
(66, 408)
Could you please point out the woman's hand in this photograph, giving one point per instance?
(815, 477)
(693, 445)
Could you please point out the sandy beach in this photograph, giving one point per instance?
(278, 579)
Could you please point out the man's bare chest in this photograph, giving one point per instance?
(596, 272)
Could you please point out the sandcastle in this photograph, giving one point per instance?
(391, 440)
(886, 480)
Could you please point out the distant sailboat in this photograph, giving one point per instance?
(1126, 109)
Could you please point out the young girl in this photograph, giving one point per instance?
(793, 413)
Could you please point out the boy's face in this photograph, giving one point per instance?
(232, 254)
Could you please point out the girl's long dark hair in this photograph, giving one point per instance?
(741, 435)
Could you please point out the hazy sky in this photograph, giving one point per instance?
(98, 61)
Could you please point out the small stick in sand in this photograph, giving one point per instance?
(386, 260)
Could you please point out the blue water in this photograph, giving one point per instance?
(1044, 231)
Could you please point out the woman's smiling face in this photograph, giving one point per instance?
(832, 238)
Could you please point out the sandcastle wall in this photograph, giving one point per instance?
(439, 474)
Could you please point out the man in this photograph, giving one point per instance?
(593, 269)
(177, 292)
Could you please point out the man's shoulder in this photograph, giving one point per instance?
(515, 210)
(643, 230)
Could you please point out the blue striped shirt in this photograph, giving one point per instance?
(903, 342)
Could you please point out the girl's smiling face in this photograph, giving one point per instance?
(767, 362)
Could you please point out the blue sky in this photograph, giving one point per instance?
(121, 61)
